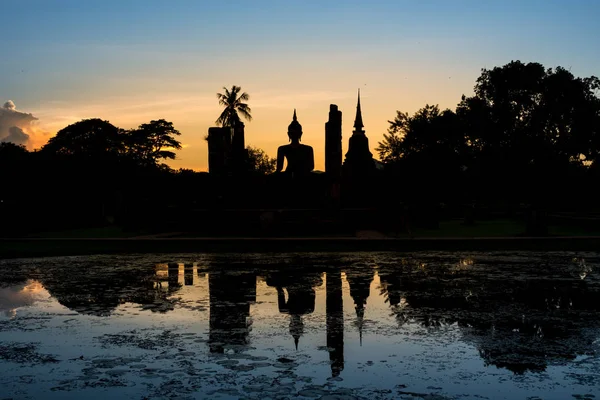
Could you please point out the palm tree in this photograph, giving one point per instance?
(233, 105)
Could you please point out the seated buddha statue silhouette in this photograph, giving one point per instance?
(300, 157)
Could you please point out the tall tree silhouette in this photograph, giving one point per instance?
(153, 142)
(233, 102)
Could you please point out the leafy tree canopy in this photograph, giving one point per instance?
(99, 141)
(520, 116)
(430, 135)
(259, 161)
(153, 142)
(533, 115)
(90, 137)
(9, 150)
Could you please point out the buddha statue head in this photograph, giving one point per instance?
(295, 129)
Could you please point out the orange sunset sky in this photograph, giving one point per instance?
(129, 62)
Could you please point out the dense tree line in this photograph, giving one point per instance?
(89, 173)
(93, 173)
(528, 134)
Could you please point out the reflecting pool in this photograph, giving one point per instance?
(303, 326)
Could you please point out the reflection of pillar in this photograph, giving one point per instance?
(230, 298)
(334, 307)
(162, 274)
(173, 277)
(188, 274)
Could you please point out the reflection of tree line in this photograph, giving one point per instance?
(518, 324)
(100, 289)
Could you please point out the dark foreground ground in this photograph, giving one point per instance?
(450, 235)
(43, 247)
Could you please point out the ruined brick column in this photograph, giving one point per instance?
(333, 143)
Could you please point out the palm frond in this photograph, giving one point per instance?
(222, 118)
(245, 113)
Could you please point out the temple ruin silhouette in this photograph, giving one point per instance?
(227, 153)
(359, 159)
(299, 157)
(295, 183)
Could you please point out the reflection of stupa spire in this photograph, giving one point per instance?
(360, 289)
(296, 328)
(295, 296)
(300, 301)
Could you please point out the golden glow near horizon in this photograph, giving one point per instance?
(192, 113)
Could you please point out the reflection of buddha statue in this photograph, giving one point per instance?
(300, 157)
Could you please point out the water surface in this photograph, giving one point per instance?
(331, 326)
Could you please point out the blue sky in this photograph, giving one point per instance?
(66, 60)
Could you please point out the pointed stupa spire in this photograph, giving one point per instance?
(358, 123)
(295, 118)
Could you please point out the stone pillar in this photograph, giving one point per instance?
(239, 153)
(238, 143)
(219, 150)
(333, 143)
